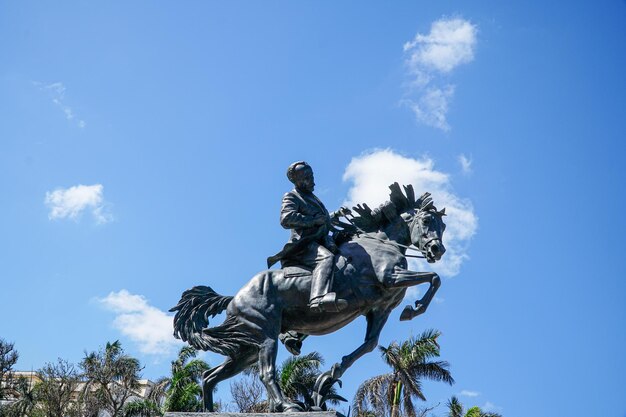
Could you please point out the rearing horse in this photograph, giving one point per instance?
(370, 272)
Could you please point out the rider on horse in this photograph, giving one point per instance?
(310, 244)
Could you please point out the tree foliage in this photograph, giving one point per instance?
(393, 394)
(25, 399)
(112, 378)
(182, 391)
(56, 388)
(455, 409)
(8, 358)
(296, 377)
(142, 408)
(247, 394)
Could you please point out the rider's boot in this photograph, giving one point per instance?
(322, 298)
(328, 302)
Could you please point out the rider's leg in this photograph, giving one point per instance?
(322, 280)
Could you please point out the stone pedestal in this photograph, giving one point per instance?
(303, 414)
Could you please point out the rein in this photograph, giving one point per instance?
(363, 233)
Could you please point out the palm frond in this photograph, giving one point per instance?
(298, 374)
(435, 371)
(185, 353)
(407, 404)
(455, 408)
(373, 392)
(412, 384)
(473, 412)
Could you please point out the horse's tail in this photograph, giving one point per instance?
(192, 314)
(192, 318)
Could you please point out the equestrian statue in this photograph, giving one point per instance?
(332, 272)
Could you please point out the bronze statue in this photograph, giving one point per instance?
(310, 244)
(370, 274)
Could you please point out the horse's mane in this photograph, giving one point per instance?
(369, 220)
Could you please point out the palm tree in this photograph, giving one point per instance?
(296, 377)
(455, 409)
(142, 408)
(26, 401)
(411, 361)
(112, 378)
(182, 391)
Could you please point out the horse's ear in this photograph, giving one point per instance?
(442, 212)
(421, 203)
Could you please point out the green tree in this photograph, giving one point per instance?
(142, 408)
(112, 379)
(296, 377)
(54, 391)
(182, 391)
(8, 358)
(25, 399)
(455, 409)
(411, 361)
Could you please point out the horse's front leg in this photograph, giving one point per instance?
(375, 323)
(402, 278)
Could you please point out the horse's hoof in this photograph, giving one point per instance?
(291, 407)
(407, 314)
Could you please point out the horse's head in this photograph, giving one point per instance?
(427, 227)
(407, 220)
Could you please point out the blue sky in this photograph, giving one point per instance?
(143, 151)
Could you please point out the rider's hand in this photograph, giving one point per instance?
(320, 219)
(331, 246)
(344, 211)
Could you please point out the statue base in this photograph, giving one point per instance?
(220, 414)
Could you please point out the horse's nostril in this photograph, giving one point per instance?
(434, 249)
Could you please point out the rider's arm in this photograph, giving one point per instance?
(290, 218)
(342, 211)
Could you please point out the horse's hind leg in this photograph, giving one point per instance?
(267, 372)
(229, 368)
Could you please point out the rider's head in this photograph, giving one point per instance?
(301, 175)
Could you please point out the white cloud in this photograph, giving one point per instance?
(71, 202)
(432, 107)
(466, 164)
(467, 393)
(489, 406)
(450, 43)
(147, 326)
(57, 92)
(373, 172)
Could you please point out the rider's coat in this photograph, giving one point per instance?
(298, 211)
